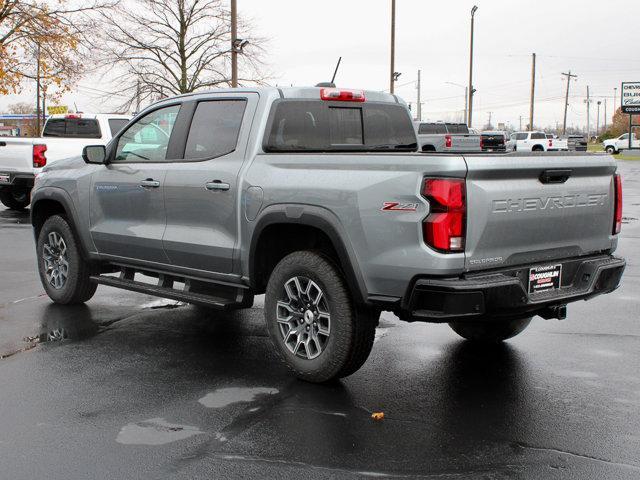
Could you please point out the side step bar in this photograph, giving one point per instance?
(201, 293)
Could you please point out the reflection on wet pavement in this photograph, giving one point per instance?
(226, 396)
(155, 431)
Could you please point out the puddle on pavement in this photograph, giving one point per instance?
(155, 431)
(576, 374)
(227, 396)
(163, 303)
(67, 322)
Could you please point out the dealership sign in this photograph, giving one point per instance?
(630, 97)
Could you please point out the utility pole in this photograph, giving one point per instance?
(234, 48)
(520, 129)
(471, 89)
(419, 104)
(605, 114)
(489, 123)
(566, 100)
(598, 120)
(588, 124)
(392, 67)
(466, 102)
(533, 88)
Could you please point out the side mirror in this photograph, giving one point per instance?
(94, 154)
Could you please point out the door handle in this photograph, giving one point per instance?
(149, 183)
(217, 185)
(555, 176)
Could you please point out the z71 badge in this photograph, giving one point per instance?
(399, 207)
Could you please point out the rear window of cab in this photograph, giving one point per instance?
(319, 126)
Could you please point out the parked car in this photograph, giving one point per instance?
(577, 143)
(535, 142)
(63, 136)
(494, 141)
(447, 137)
(616, 145)
(318, 198)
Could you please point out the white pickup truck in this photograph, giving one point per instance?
(63, 136)
(535, 142)
(616, 145)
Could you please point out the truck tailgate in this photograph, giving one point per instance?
(16, 154)
(519, 211)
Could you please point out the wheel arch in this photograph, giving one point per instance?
(49, 201)
(304, 219)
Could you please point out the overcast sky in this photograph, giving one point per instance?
(597, 41)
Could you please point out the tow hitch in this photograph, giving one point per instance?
(555, 311)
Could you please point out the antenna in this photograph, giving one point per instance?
(335, 72)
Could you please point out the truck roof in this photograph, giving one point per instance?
(303, 93)
(89, 115)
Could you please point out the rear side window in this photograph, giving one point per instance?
(538, 136)
(457, 128)
(315, 125)
(427, 128)
(72, 128)
(214, 129)
(116, 124)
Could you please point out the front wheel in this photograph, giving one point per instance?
(15, 198)
(64, 273)
(490, 331)
(312, 320)
(610, 149)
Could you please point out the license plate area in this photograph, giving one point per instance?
(544, 278)
(5, 178)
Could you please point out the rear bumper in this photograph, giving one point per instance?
(504, 293)
(17, 178)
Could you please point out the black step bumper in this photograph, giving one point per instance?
(504, 293)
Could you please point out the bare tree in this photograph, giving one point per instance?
(171, 47)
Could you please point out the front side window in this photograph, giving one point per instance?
(148, 138)
(624, 137)
(214, 129)
(522, 136)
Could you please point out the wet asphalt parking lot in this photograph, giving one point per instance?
(133, 387)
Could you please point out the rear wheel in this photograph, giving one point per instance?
(15, 198)
(64, 274)
(312, 320)
(490, 331)
(537, 148)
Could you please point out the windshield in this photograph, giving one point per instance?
(315, 125)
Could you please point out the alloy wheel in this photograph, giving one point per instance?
(56, 264)
(303, 317)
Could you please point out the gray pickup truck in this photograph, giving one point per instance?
(319, 199)
(447, 137)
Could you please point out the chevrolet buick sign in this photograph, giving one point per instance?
(630, 97)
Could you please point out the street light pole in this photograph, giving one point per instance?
(471, 90)
(393, 46)
(234, 49)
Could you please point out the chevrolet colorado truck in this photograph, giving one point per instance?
(319, 199)
(21, 158)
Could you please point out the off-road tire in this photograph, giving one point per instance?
(15, 198)
(78, 288)
(490, 331)
(351, 332)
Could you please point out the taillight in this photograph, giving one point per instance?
(444, 228)
(448, 141)
(341, 95)
(617, 217)
(550, 143)
(481, 143)
(39, 159)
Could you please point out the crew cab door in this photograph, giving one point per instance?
(201, 190)
(127, 204)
